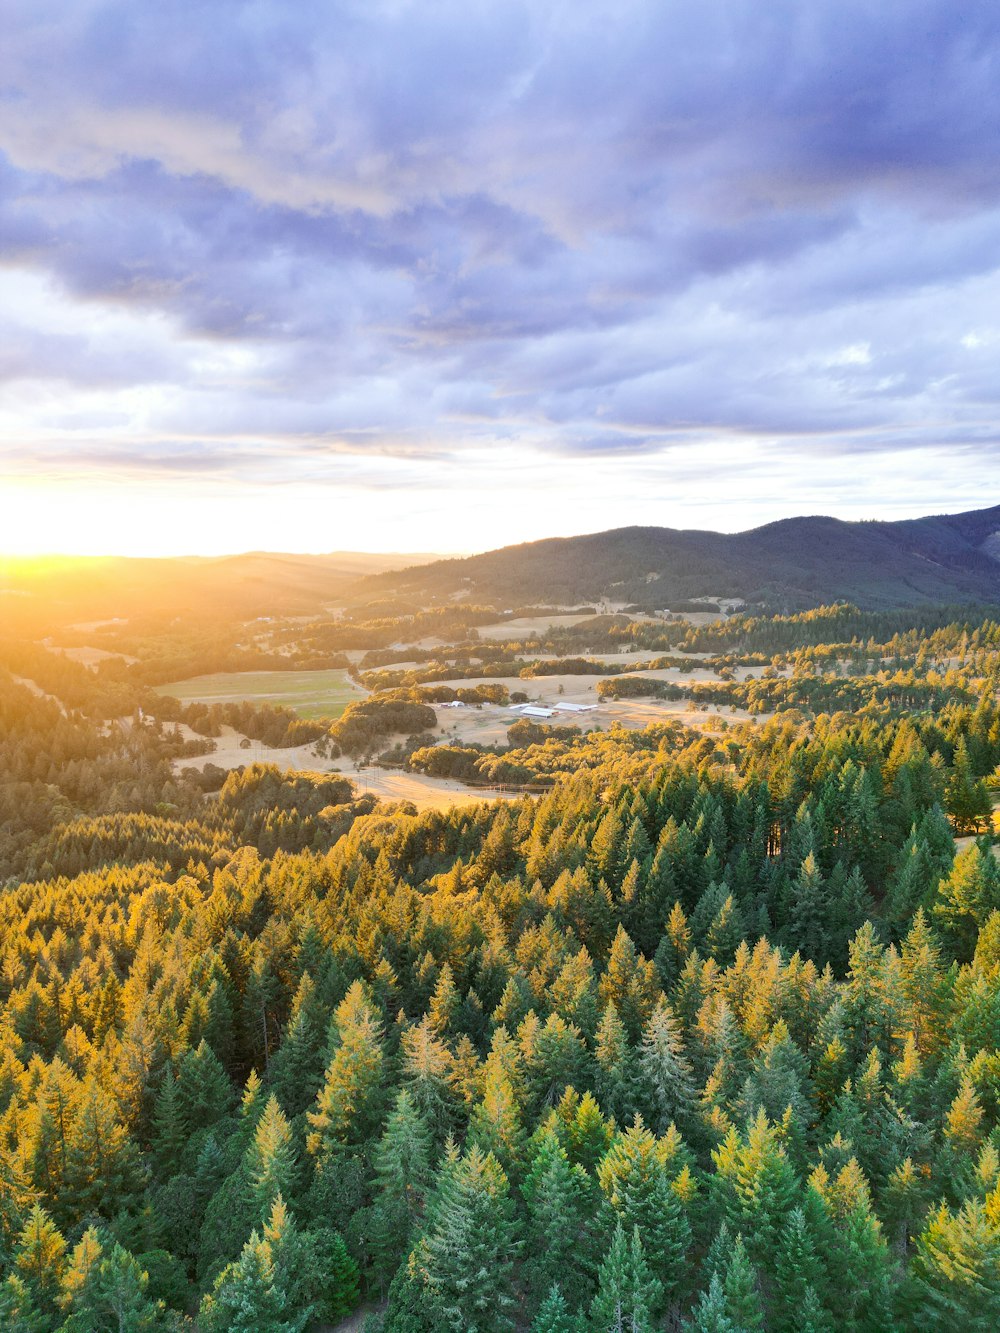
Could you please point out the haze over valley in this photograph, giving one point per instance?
(499, 667)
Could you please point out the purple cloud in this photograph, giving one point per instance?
(412, 231)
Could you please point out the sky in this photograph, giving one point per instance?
(443, 276)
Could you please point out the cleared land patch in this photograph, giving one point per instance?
(310, 693)
(524, 626)
(426, 793)
(86, 656)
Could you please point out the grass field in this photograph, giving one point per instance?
(309, 693)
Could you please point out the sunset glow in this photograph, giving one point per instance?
(526, 272)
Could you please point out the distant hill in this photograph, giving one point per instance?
(792, 564)
(64, 589)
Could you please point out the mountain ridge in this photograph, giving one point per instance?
(790, 563)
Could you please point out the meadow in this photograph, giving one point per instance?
(311, 694)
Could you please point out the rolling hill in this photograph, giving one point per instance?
(791, 564)
(63, 589)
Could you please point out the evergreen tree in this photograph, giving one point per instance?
(957, 1271)
(248, 1296)
(322, 1276)
(638, 1190)
(463, 1268)
(755, 1186)
(554, 1315)
(111, 1297)
(559, 1203)
(711, 1314)
(495, 1125)
(40, 1256)
(170, 1131)
(627, 1292)
(270, 1159)
(967, 897)
(204, 1090)
(666, 1070)
(797, 1272)
(403, 1176)
(967, 800)
(619, 1079)
(19, 1312)
(349, 1104)
(806, 923)
(740, 1283)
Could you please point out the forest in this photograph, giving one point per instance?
(699, 1031)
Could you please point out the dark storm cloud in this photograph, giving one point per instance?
(597, 229)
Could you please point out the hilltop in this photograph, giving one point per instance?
(791, 564)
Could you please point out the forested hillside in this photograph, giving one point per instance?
(791, 564)
(705, 1035)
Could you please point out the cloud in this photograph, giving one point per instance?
(251, 240)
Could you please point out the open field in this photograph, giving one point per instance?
(310, 693)
(525, 626)
(388, 784)
(488, 724)
(326, 693)
(87, 656)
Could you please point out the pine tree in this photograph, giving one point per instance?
(495, 1125)
(675, 946)
(618, 1073)
(554, 1315)
(112, 1295)
(917, 872)
(607, 849)
(40, 1256)
(57, 1098)
(868, 1004)
(323, 1277)
(629, 982)
(312, 1268)
(967, 897)
(170, 1132)
(349, 1104)
(666, 1070)
(778, 1080)
(926, 988)
(583, 1131)
(464, 1264)
(638, 1190)
(967, 800)
(204, 1090)
(86, 1253)
(444, 1003)
(19, 1312)
(797, 1271)
(963, 1122)
(297, 1069)
(711, 1314)
(103, 1169)
(627, 1292)
(428, 1074)
(856, 1258)
(248, 1296)
(270, 1159)
(559, 1200)
(739, 1281)
(806, 925)
(957, 1271)
(755, 1185)
(403, 1175)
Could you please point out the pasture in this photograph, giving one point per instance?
(311, 694)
